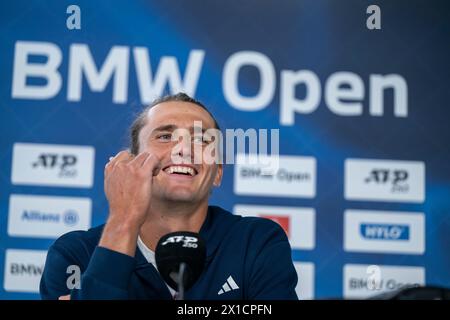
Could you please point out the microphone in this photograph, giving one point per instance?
(180, 258)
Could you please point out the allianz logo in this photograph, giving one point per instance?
(280, 174)
(384, 231)
(68, 217)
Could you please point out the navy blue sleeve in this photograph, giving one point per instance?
(272, 274)
(104, 275)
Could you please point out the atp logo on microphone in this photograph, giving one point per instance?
(188, 241)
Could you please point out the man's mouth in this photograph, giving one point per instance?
(180, 170)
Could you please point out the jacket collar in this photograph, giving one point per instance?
(213, 230)
(215, 227)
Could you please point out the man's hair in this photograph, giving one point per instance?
(141, 119)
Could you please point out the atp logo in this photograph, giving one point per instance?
(63, 162)
(396, 178)
(188, 242)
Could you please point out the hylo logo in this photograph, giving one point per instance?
(384, 231)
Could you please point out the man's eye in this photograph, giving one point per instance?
(199, 139)
(165, 137)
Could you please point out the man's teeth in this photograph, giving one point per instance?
(179, 169)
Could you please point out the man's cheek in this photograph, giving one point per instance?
(198, 156)
(211, 154)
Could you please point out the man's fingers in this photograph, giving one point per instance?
(67, 297)
(122, 156)
(152, 165)
(139, 160)
(144, 161)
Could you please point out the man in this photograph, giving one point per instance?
(161, 186)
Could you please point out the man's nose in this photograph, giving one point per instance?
(186, 147)
(183, 149)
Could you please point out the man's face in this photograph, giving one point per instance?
(185, 175)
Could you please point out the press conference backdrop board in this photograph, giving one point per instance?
(359, 95)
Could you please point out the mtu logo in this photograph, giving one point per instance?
(384, 231)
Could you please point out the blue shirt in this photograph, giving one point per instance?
(246, 258)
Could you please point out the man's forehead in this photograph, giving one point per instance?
(178, 113)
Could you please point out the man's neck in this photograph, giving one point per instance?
(167, 217)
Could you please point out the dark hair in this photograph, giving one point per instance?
(141, 119)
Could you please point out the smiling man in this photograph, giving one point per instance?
(163, 185)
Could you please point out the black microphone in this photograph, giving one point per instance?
(180, 258)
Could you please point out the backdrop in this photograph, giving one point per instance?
(359, 95)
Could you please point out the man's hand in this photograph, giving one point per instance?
(128, 184)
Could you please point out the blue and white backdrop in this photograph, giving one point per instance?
(360, 95)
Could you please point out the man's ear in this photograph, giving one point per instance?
(218, 177)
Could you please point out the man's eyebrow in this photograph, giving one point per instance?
(166, 127)
(195, 128)
(172, 127)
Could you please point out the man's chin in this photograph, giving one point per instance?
(180, 197)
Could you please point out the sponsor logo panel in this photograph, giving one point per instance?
(384, 231)
(278, 176)
(52, 165)
(23, 270)
(47, 216)
(364, 281)
(298, 223)
(384, 180)
(305, 284)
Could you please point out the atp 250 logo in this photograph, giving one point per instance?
(384, 180)
(53, 165)
(396, 179)
(188, 242)
(64, 163)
